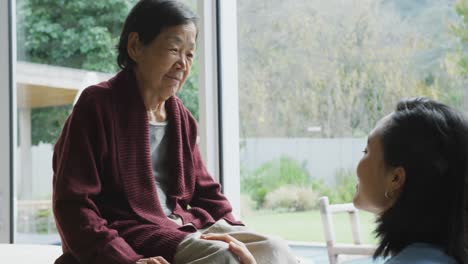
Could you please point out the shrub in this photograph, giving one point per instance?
(247, 205)
(345, 187)
(282, 171)
(259, 195)
(272, 175)
(342, 191)
(291, 198)
(41, 221)
(307, 199)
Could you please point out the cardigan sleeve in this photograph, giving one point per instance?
(78, 156)
(208, 192)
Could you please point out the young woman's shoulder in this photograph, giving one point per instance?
(421, 253)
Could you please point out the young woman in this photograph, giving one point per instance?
(413, 177)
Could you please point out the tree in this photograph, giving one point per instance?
(461, 31)
(337, 65)
(76, 34)
(46, 123)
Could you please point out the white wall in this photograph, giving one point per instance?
(40, 181)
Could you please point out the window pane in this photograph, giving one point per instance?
(63, 47)
(314, 78)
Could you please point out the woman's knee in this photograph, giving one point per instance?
(204, 251)
(274, 244)
(271, 250)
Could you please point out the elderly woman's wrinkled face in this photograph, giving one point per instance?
(374, 178)
(164, 64)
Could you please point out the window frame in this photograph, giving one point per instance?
(218, 95)
(7, 104)
(208, 87)
(228, 100)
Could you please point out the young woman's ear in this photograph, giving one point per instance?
(398, 179)
(134, 46)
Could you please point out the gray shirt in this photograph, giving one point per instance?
(158, 148)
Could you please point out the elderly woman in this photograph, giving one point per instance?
(129, 182)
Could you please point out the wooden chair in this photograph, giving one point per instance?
(335, 249)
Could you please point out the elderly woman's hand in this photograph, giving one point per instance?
(235, 246)
(154, 260)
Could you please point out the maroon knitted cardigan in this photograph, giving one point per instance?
(104, 197)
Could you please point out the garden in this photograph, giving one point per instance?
(281, 198)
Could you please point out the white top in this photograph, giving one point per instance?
(158, 150)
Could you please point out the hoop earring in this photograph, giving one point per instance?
(386, 195)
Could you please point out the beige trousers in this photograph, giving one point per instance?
(265, 249)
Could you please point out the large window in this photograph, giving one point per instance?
(62, 47)
(314, 78)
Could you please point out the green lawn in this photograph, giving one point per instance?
(307, 226)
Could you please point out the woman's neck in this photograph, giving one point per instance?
(158, 113)
(152, 99)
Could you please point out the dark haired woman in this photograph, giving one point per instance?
(129, 182)
(413, 176)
